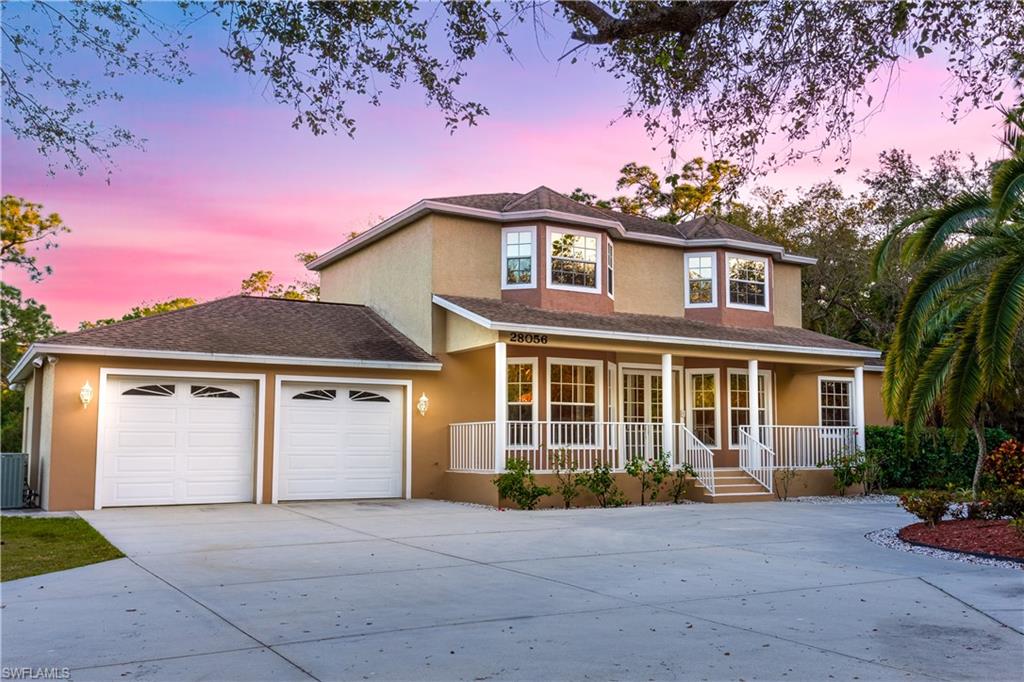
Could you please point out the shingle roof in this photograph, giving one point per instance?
(244, 325)
(546, 198)
(507, 312)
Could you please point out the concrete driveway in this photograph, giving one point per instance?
(430, 590)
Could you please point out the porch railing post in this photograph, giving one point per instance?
(667, 408)
(500, 396)
(858, 398)
(754, 415)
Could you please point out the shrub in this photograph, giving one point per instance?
(847, 470)
(1004, 502)
(517, 483)
(1006, 463)
(871, 472)
(650, 472)
(601, 483)
(677, 483)
(783, 477)
(568, 486)
(935, 463)
(928, 505)
(1018, 525)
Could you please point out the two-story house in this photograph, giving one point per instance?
(459, 333)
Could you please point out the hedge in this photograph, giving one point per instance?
(935, 462)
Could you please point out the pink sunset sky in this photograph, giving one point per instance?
(225, 186)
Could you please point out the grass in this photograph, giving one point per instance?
(33, 546)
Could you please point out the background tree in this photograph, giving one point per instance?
(734, 74)
(141, 311)
(26, 231)
(261, 283)
(22, 322)
(699, 187)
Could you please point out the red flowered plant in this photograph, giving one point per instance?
(1006, 463)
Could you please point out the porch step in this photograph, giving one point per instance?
(732, 484)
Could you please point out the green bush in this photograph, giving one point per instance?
(928, 505)
(568, 486)
(601, 482)
(1018, 525)
(1005, 464)
(518, 484)
(935, 463)
(1004, 502)
(650, 472)
(680, 478)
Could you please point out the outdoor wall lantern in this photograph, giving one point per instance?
(85, 395)
(422, 404)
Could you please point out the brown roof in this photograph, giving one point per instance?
(506, 312)
(244, 325)
(546, 198)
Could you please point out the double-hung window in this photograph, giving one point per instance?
(610, 258)
(702, 405)
(518, 257)
(739, 403)
(835, 401)
(522, 400)
(574, 399)
(701, 280)
(747, 281)
(574, 260)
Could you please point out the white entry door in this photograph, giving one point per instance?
(339, 441)
(176, 441)
(642, 411)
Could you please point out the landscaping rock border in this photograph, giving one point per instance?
(889, 537)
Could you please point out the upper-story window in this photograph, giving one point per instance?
(747, 283)
(574, 260)
(701, 280)
(518, 257)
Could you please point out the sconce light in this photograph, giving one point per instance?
(85, 395)
(422, 404)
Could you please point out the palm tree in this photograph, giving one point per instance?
(961, 318)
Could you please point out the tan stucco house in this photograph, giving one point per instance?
(450, 337)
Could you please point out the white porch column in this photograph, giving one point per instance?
(753, 399)
(667, 407)
(500, 398)
(858, 407)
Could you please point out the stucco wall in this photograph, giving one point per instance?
(393, 276)
(788, 309)
(467, 257)
(648, 279)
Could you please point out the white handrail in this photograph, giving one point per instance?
(808, 447)
(699, 456)
(756, 459)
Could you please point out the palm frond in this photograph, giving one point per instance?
(884, 251)
(928, 384)
(1001, 316)
(1008, 188)
(965, 380)
(956, 217)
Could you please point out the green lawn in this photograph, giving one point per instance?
(32, 546)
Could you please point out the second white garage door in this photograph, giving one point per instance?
(339, 441)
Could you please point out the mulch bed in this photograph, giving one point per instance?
(973, 536)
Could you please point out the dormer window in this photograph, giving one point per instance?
(574, 260)
(701, 280)
(747, 282)
(518, 257)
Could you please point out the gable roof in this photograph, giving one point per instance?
(508, 316)
(250, 329)
(545, 203)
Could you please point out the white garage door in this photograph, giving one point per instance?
(176, 441)
(339, 441)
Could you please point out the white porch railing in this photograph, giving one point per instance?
(699, 456)
(471, 446)
(756, 459)
(808, 447)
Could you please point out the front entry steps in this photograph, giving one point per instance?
(732, 484)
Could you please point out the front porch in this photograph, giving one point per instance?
(606, 408)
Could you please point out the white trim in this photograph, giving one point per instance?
(261, 392)
(714, 279)
(532, 230)
(598, 390)
(848, 380)
(62, 349)
(769, 396)
(421, 208)
(648, 338)
(599, 263)
(533, 362)
(687, 373)
(613, 405)
(767, 283)
(609, 264)
(291, 378)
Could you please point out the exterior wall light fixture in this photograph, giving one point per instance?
(422, 404)
(85, 395)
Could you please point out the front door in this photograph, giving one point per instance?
(642, 412)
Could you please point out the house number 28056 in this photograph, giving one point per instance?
(528, 338)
